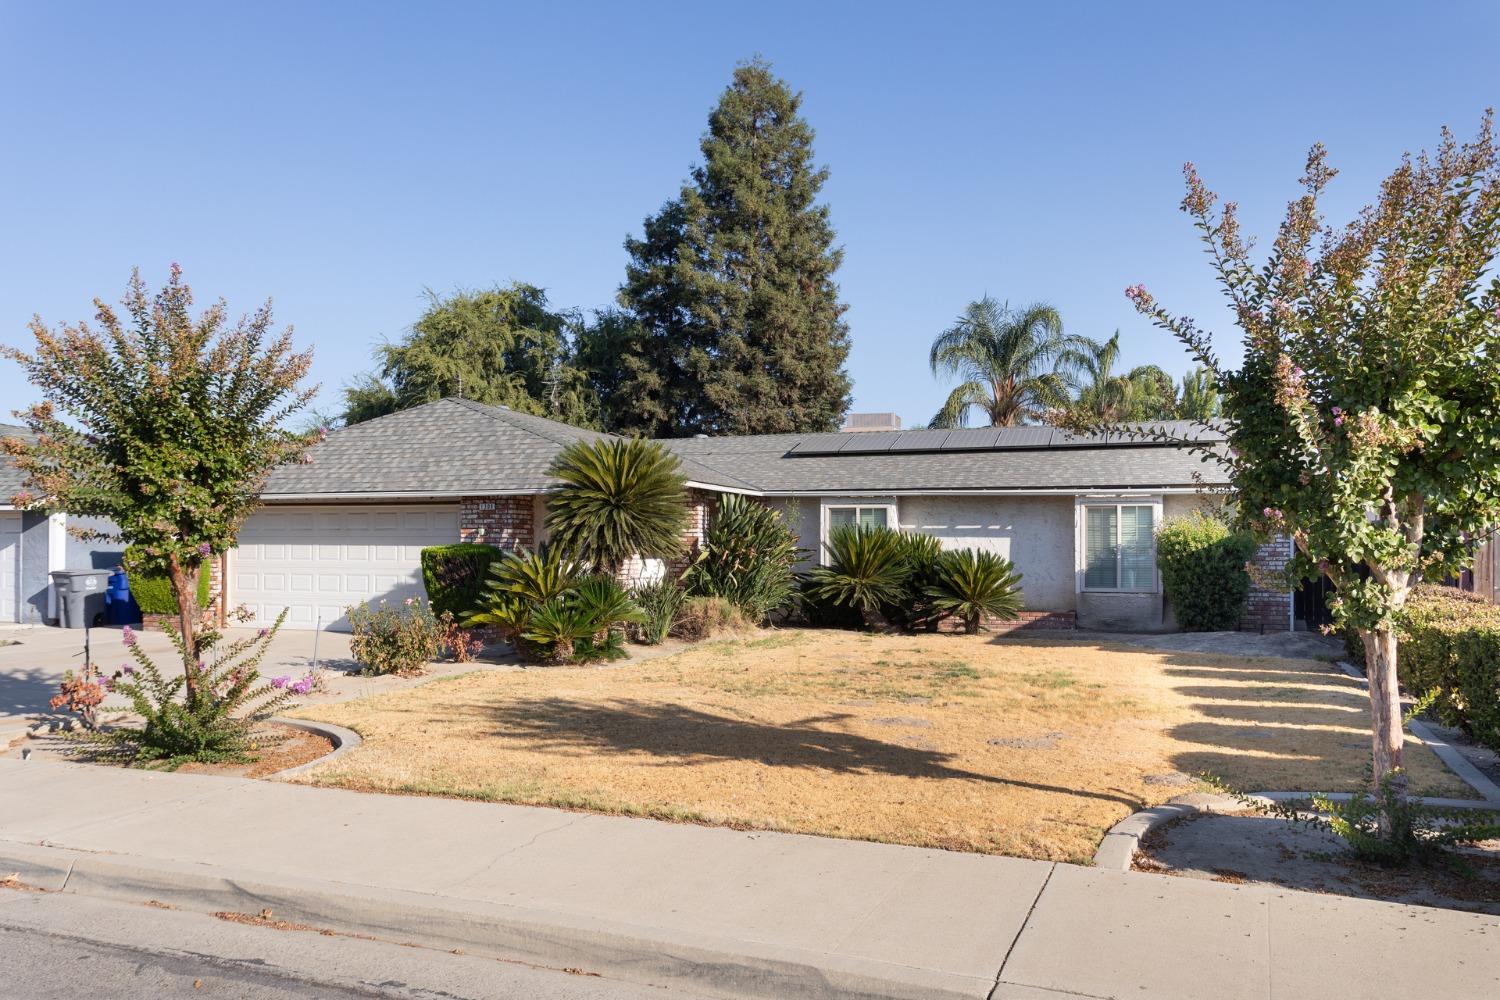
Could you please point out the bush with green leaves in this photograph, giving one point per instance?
(397, 638)
(615, 499)
(659, 603)
(867, 571)
(553, 610)
(749, 558)
(975, 585)
(1202, 562)
(1449, 648)
(212, 722)
(455, 575)
(151, 585)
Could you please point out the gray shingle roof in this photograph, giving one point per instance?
(10, 476)
(460, 447)
(449, 447)
(771, 464)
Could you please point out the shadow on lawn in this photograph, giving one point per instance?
(677, 733)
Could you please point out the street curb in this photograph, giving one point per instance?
(658, 956)
(343, 741)
(1116, 852)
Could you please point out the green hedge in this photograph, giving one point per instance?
(1202, 565)
(152, 590)
(1451, 642)
(454, 576)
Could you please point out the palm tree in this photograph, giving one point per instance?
(616, 498)
(1015, 364)
(1200, 397)
(1143, 393)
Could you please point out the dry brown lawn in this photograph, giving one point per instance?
(1029, 747)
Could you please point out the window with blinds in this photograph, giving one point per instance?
(867, 517)
(1119, 551)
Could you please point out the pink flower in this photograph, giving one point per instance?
(1136, 293)
(262, 633)
(205, 550)
(322, 433)
(176, 269)
(126, 669)
(127, 636)
(1338, 421)
(1337, 410)
(408, 602)
(280, 682)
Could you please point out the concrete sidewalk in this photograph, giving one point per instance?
(728, 913)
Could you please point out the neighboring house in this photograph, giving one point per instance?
(33, 544)
(1077, 515)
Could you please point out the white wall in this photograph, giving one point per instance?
(1035, 533)
(801, 515)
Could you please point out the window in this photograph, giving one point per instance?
(867, 517)
(1119, 551)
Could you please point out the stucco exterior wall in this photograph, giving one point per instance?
(1035, 533)
(801, 515)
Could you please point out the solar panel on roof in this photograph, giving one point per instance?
(920, 440)
(821, 444)
(1023, 437)
(968, 440)
(869, 441)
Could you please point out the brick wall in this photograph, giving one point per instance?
(1030, 621)
(504, 522)
(700, 505)
(1269, 609)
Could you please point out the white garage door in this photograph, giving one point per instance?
(10, 566)
(316, 561)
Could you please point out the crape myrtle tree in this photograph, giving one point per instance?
(1364, 421)
(165, 424)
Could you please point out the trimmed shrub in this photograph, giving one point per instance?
(706, 617)
(748, 558)
(1202, 565)
(152, 589)
(1450, 643)
(454, 576)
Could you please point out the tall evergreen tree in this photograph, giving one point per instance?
(739, 325)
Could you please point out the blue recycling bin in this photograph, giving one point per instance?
(119, 607)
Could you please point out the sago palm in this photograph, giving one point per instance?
(1015, 364)
(615, 499)
(867, 570)
(975, 585)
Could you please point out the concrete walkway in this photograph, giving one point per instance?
(724, 912)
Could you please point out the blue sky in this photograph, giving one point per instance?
(341, 157)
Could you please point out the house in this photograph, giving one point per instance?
(33, 544)
(1076, 514)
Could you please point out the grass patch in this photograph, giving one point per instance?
(1028, 747)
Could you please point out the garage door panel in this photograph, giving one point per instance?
(10, 566)
(318, 562)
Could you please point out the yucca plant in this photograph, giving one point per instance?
(615, 499)
(975, 585)
(660, 603)
(867, 571)
(747, 559)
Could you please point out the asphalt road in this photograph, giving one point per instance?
(58, 946)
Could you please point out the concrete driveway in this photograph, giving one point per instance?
(33, 660)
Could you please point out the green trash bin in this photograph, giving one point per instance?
(80, 596)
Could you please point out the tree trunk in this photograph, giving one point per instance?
(971, 624)
(185, 589)
(1385, 711)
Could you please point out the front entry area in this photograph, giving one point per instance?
(316, 561)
